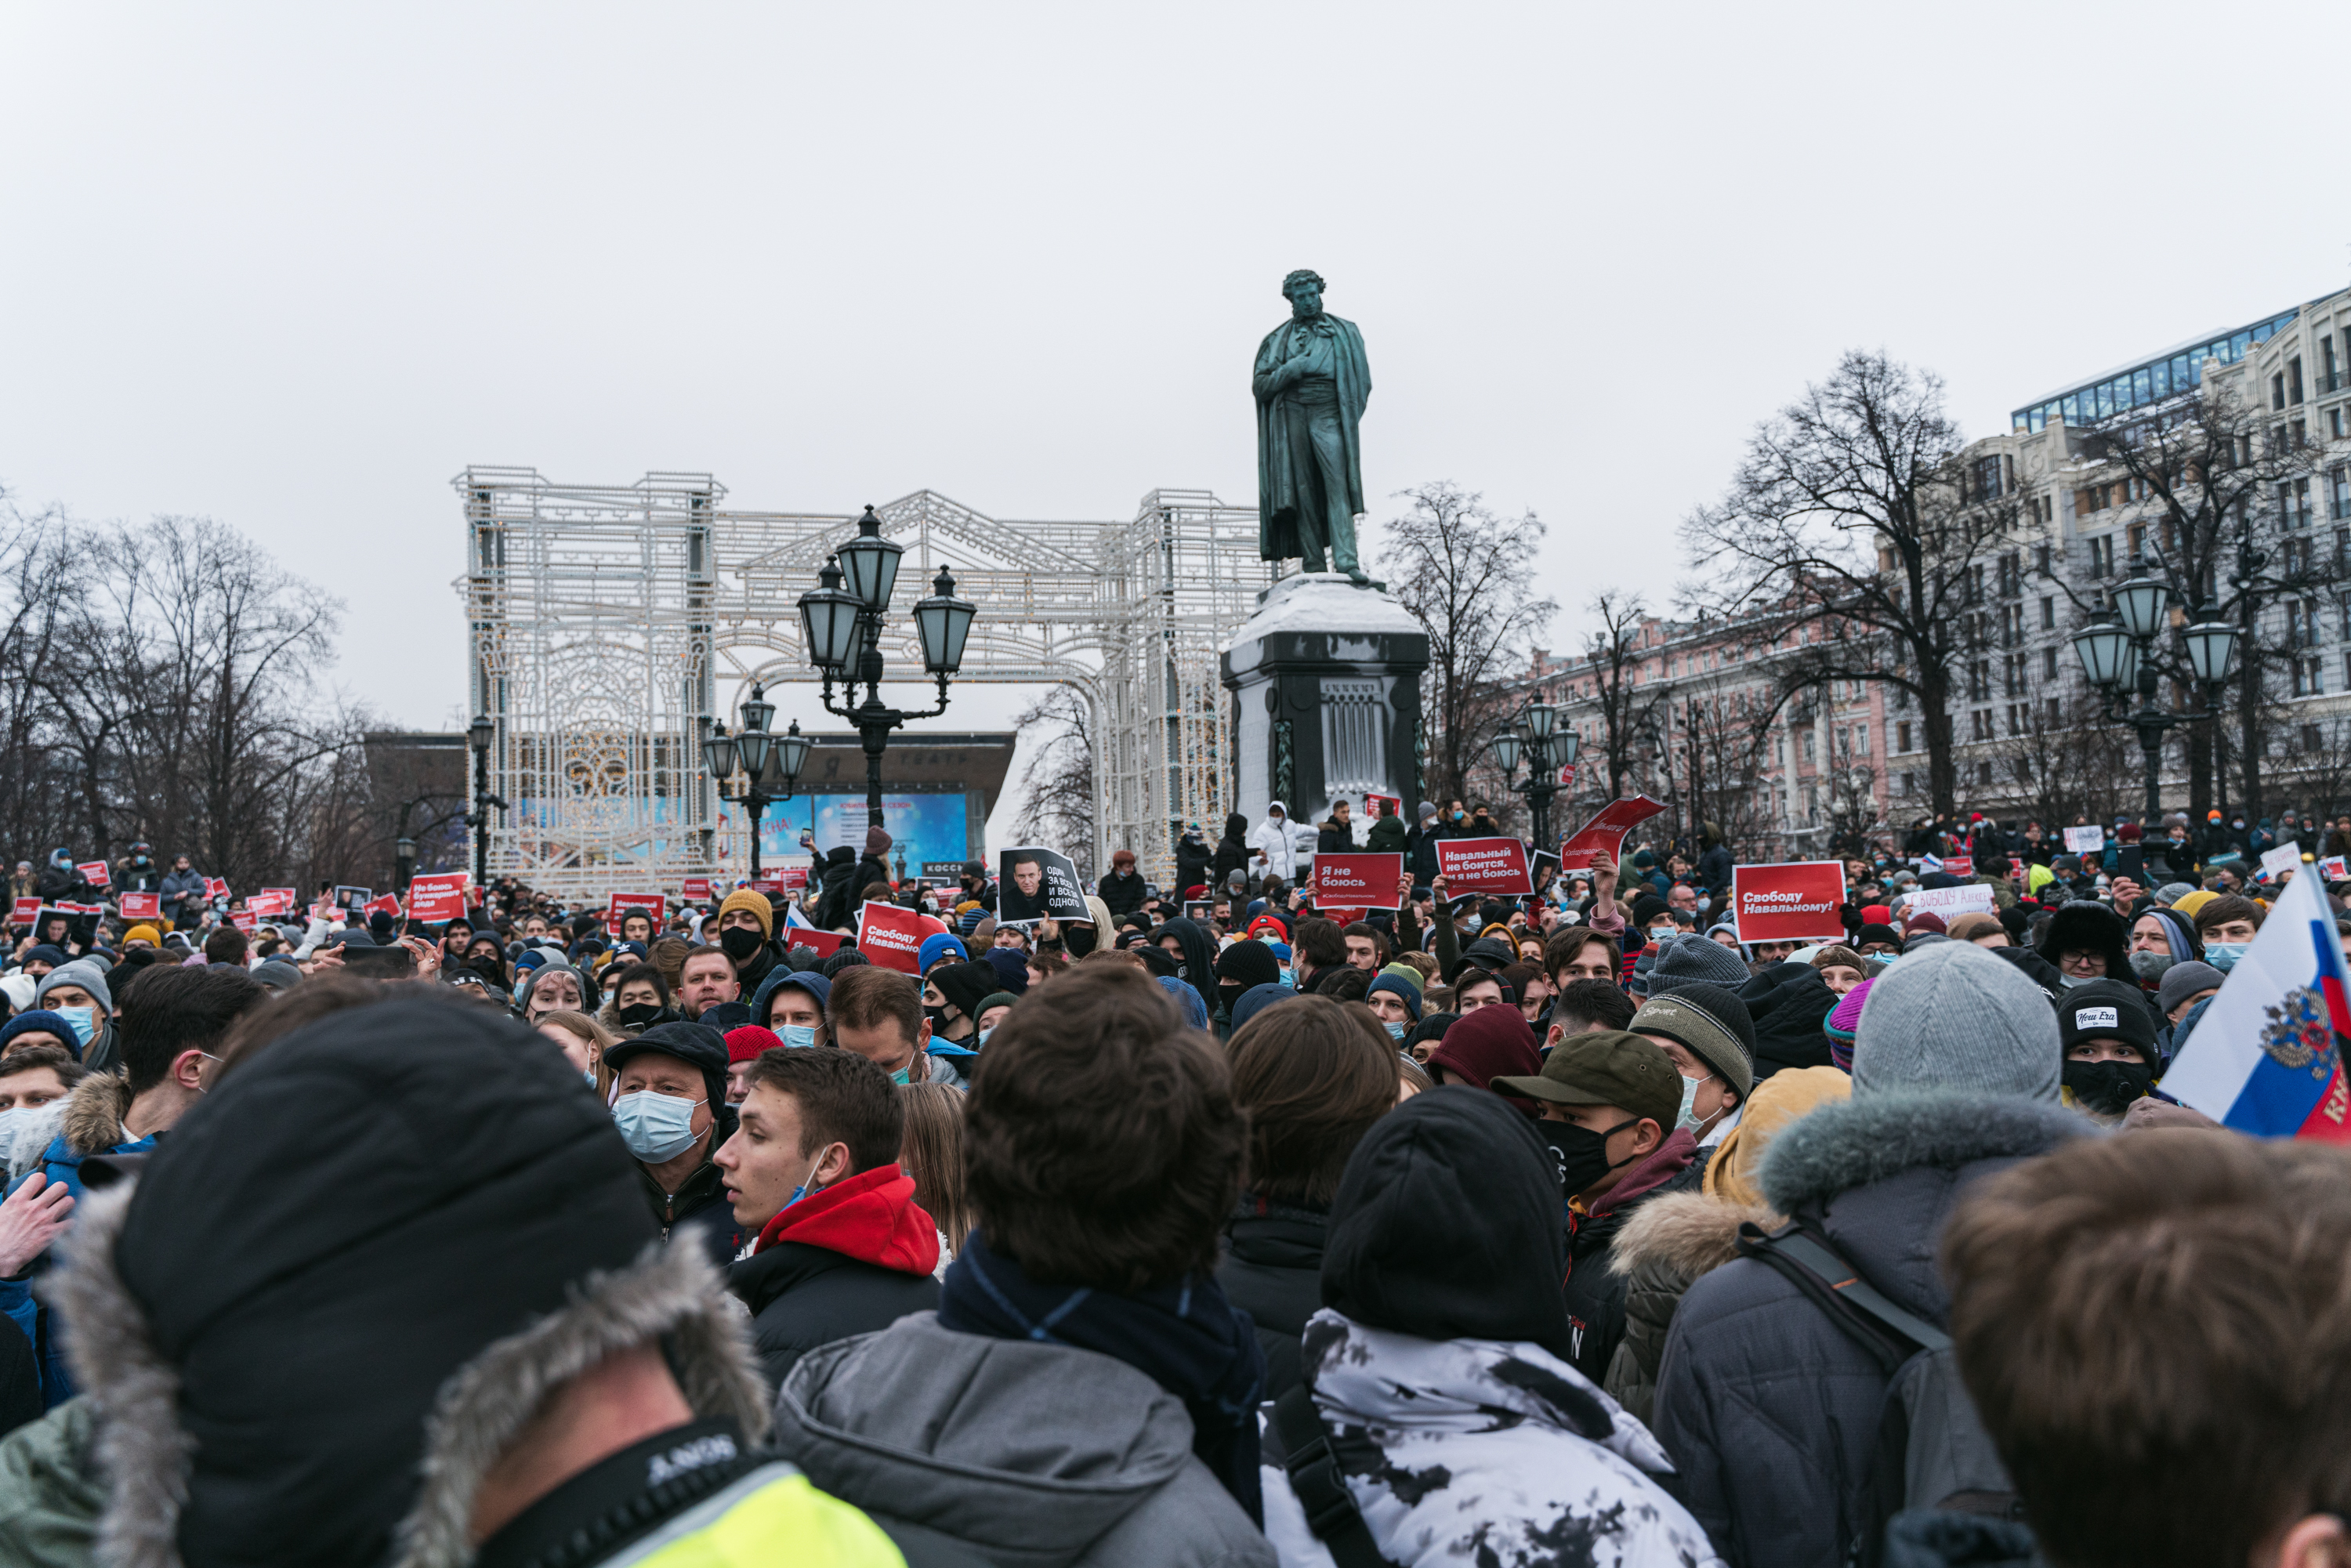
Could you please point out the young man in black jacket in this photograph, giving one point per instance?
(840, 1247)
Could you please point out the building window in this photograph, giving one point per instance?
(1979, 680)
(2015, 725)
(2310, 741)
(2049, 614)
(1983, 771)
(2056, 714)
(1982, 720)
(2293, 380)
(2339, 492)
(1861, 740)
(2102, 556)
(1902, 735)
(2048, 664)
(1810, 747)
(2041, 558)
(1909, 786)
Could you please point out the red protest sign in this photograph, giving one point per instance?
(272, 901)
(653, 904)
(1483, 866)
(794, 878)
(767, 881)
(215, 887)
(94, 872)
(823, 944)
(1796, 902)
(695, 890)
(388, 904)
(1356, 881)
(325, 909)
(142, 906)
(892, 938)
(24, 911)
(438, 897)
(244, 919)
(1378, 805)
(1960, 865)
(1605, 834)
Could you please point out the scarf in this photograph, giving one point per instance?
(1185, 1337)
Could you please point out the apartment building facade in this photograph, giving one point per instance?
(1850, 762)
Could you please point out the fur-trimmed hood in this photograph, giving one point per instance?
(94, 1112)
(674, 1296)
(1684, 1234)
(306, 1383)
(1869, 1140)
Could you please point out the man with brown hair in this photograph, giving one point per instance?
(1083, 1354)
(1318, 945)
(1579, 953)
(877, 1013)
(839, 1247)
(2156, 1330)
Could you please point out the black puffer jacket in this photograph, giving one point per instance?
(1789, 1003)
(802, 1297)
(1122, 895)
(833, 896)
(1232, 850)
(1193, 860)
(1769, 1408)
(1273, 1270)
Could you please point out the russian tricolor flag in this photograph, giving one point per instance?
(795, 921)
(2266, 1058)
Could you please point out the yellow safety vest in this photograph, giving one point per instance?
(773, 1515)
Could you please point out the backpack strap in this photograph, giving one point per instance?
(1891, 1335)
(1331, 1511)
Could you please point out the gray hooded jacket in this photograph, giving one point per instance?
(1037, 1456)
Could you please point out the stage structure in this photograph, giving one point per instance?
(611, 626)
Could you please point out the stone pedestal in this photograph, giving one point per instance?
(1326, 679)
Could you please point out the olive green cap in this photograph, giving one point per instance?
(1606, 1067)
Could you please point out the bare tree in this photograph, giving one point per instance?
(1613, 653)
(1057, 782)
(1467, 576)
(1852, 538)
(2229, 529)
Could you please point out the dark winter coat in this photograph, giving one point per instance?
(1595, 1292)
(1769, 1408)
(1387, 836)
(1334, 837)
(1789, 1002)
(832, 898)
(850, 1260)
(64, 884)
(1122, 895)
(1660, 1252)
(1273, 1270)
(1714, 867)
(1233, 850)
(1194, 860)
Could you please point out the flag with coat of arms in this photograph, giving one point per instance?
(2267, 1056)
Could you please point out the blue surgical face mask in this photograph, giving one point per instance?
(1395, 1029)
(655, 1126)
(982, 1039)
(588, 1075)
(83, 1025)
(1689, 1117)
(799, 1036)
(900, 1076)
(2223, 955)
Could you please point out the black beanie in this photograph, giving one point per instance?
(964, 986)
(1647, 908)
(1248, 963)
(1447, 1226)
(2106, 1010)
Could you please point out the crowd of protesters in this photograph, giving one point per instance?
(1570, 1228)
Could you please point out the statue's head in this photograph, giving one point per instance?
(1304, 288)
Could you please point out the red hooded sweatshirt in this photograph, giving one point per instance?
(871, 1217)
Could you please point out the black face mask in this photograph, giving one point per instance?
(644, 1015)
(2107, 1087)
(1579, 1154)
(1231, 994)
(1078, 939)
(740, 942)
(938, 1017)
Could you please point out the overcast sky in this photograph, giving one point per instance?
(294, 267)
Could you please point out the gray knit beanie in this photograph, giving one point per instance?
(1952, 1016)
(1693, 959)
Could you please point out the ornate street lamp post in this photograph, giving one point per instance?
(2117, 654)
